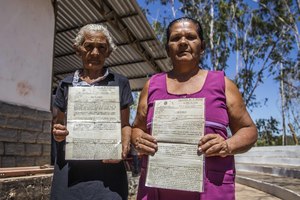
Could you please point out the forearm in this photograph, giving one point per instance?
(242, 140)
(126, 134)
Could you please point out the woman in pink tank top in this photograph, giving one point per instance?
(224, 107)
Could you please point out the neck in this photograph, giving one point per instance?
(183, 74)
(93, 74)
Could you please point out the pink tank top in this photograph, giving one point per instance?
(219, 172)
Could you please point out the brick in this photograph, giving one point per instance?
(42, 160)
(2, 121)
(10, 109)
(27, 136)
(44, 115)
(1, 148)
(24, 161)
(14, 149)
(8, 161)
(29, 113)
(34, 125)
(46, 149)
(8, 135)
(17, 123)
(33, 149)
(47, 126)
(44, 138)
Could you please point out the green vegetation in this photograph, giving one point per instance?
(261, 36)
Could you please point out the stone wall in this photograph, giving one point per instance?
(28, 187)
(25, 136)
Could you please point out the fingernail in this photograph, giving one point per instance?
(199, 152)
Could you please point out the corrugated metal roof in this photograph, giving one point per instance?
(139, 54)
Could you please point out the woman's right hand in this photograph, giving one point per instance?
(60, 132)
(145, 144)
(142, 141)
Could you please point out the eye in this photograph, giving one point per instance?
(175, 38)
(102, 46)
(191, 37)
(88, 47)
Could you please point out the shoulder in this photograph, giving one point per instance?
(229, 84)
(216, 73)
(233, 95)
(67, 80)
(161, 74)
(118, 77)
(157, 77)
(215, 80)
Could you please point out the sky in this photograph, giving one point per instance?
(269, 89)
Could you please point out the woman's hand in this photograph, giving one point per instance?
(145, 144)
(60, 132)
(126, 136)
(142, 141)
(111, 161)
(213, 145)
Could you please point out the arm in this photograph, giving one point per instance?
(241, 125)
(59, 134)
(126, 131)
(59, 129)
(142, 141)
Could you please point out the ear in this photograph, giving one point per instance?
(203, 44)
(167, 49)
(108, 53)
(77, 50)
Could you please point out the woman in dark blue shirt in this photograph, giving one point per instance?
(91, 179)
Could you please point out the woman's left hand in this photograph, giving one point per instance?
(213, 145)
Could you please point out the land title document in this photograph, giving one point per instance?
(177, 125)
(93, 121)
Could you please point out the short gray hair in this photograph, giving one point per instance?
(79, 39)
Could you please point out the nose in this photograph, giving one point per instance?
(182, 41)
(95, 51)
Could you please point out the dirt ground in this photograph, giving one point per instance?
(242, 191)
(132, 186)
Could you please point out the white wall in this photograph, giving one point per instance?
(26, 51)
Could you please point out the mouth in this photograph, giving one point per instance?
(183, 53)
(94, 61)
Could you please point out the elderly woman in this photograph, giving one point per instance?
(224, 107)
(92, 179)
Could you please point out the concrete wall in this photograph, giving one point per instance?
(271, 155)
(26, 38)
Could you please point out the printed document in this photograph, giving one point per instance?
(93, 122)
(177, 125)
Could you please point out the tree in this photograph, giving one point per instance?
(267, 131)
(261, 35)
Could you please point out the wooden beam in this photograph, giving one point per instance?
(25, 171)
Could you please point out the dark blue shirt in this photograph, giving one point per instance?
(83, 176)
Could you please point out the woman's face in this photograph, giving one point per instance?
(94, 50)
(184, 45)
